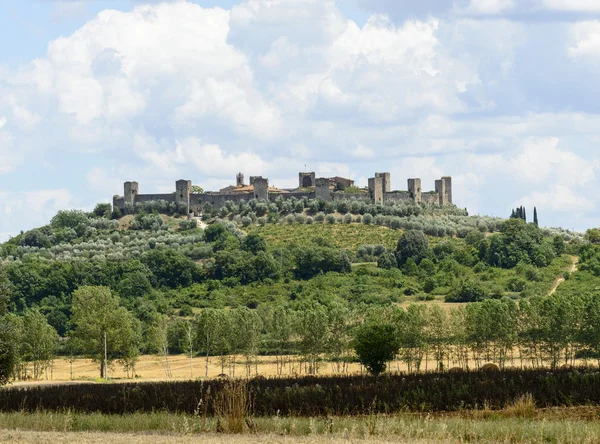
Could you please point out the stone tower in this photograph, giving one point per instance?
(376, 188)
(261, 188)
(414, 190)
(322, 188)
(183, 188)
(239, 180)
(387, 187)
(448, 188)
(306, 180)
(440, 189)
(130, 191)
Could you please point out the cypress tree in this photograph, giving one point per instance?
(535, 217)
(524, 211)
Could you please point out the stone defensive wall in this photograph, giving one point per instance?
(309, 187)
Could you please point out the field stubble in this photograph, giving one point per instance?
(518, 422)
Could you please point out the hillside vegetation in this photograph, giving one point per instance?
(279, 272)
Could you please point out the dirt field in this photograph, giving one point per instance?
(152, 367)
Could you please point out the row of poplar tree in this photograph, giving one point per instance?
(549, 331)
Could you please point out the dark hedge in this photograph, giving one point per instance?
(314, 396)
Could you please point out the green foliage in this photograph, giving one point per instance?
(103, 326)
(171, 268)
(518, 242)
(103, 210)
(254, 243)
(467, 291)
(8, 350)
(375, 345)
(69, 219)
(36, 238)
(413, 244)
(593, 235)
(313, 259)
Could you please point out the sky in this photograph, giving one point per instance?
(502, 95)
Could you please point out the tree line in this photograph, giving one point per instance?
(537, 332)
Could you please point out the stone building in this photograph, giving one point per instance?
(309, 186)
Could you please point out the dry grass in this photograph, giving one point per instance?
(232, 407)
(152, 368)
(27, 437)
(508, 426)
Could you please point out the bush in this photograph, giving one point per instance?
(375, 345)
(103, 210)
(387, 261)
(312, 260)
(367, 219)
(330, 219)
(188, 224)
(468, 291)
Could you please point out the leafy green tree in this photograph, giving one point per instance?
(280, 330)
(559, 244)
(518, 242)
(158, 341)
(387, 260)
(213, 334)
(40, 341)
(375, 345)
(8, 350)
(171, 268)
(36, 238)
(593, 235)
(411, 327)
(438, 334)
(340, 323)
(467, 291)
(312, 326)
(413, 244)
(5, 292)
(69, 219)
(104, 329)
(312, 260)
(134, 285)
(254, 243)
(103, 210)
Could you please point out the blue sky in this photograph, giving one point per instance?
(501, 94)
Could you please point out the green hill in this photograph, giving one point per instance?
(287, 256)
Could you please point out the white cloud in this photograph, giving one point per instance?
(487, 7)
(211, 160)
(541, 161)
(26, 210)
(586, 37)
(171, 55)
(558, 198)
(10, 158)
(572, 5)
(332, 169)
(362, 152)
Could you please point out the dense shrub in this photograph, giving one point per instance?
(320, 396)
(312, 260)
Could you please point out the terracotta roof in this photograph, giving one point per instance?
(250, 188)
